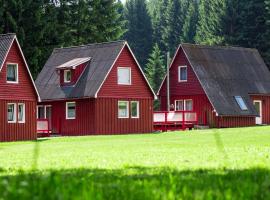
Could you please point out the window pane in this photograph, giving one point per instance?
(122, 109)
(188, 105)
(12, 73)
(241, 102)
(21, 111)
(124, 76)
(11, 112)
(182, 73)
(179, 105)
(134, 109)
(71, 112)
(41, 114)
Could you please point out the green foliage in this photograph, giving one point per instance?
(139, 29)
(155, 68)
(211, 21)
(205, 164)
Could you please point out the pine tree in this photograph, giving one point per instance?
(173, 25)
(139, 34)
(190, 23)
(210, 28)
(267, 34)
(155, 69)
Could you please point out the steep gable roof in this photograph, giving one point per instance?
(103, 56)
(226, 72)
(6, 41)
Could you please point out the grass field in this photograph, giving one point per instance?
(208, 164)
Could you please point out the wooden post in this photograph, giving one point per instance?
(168, 82)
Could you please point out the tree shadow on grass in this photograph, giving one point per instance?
(138, 183)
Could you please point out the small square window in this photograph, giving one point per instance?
(67, 76)
(240, 101)
(11, 112)
(70, 110)
(12, 73)
(123, 110)
(124, 75)
(179, 105)
(21, 113)
(135, 109)
(182, 73)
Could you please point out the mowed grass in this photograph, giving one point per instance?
(206, 164)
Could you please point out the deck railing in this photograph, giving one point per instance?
(176, 119)
(43, 126)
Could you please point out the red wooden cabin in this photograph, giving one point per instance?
(18, 95)
(226, 86)
(95, 89)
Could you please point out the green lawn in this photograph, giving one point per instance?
(208, 164)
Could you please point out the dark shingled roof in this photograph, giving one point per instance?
(102, 56)
(5, 43)
(225, 72)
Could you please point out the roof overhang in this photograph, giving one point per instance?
(72, 64)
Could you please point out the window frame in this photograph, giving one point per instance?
(17, 73)
(138, 109)
(179, 73)
(67, 104)
(23, 118)
(130, 81)
(65, 76)
(239, 100)
(127, 109)
(14, 114)
(184, 104)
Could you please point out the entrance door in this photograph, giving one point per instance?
(258, 106)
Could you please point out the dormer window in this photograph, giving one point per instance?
(124, 75)
(182, 73)
(67, 76)
(12, 73)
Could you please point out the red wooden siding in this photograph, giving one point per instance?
(75, 74)
(107, 121)
(82, 125)
(138, 87)
(192, 89)
(265, 107)
(18, 131)
(24, 90)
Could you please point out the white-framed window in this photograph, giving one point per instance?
(135, 109)
(183, 105)
(124, 76)
(12, 73)
(240, 101)
(11, 112)
(70, 110)
(123, 109)
(182, 73)
(41, 112)
(21, 112)
(67, 76)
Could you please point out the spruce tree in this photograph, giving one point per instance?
(210, 28)
(155, 69)
(190, 23)
(267, 34)
(139, 29)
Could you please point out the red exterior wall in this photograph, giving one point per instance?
(75, 74)
(265, 107)
(107, 121)
(138, 88)
(192, 89)
(82, 125)
(23, 92)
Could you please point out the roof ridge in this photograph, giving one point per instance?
(90, 44)
(219, 47)
(7, 34)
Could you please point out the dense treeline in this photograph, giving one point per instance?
(151, 27)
